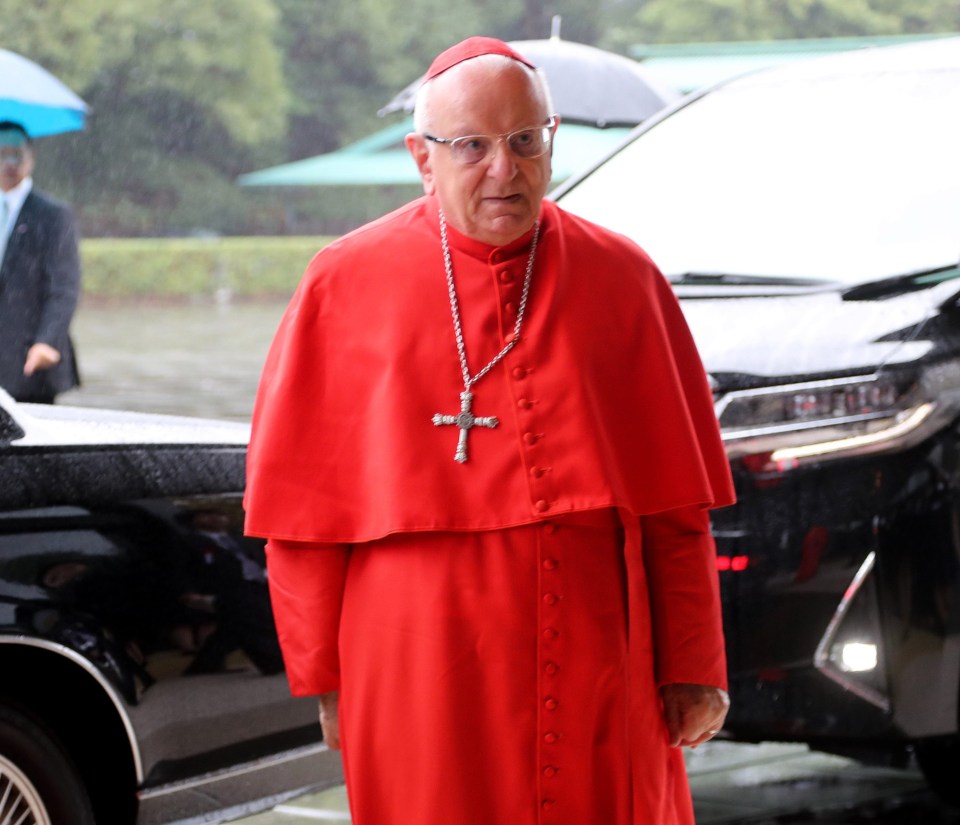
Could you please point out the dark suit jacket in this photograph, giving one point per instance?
(39, 290)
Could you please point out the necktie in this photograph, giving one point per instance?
(4, 215)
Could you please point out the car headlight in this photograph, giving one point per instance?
(850, 652)
(779, 428)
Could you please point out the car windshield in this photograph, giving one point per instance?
(844, 175)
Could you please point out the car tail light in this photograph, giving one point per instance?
(734, 564)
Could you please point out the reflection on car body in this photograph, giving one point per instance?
(140, 674)
(809, 219)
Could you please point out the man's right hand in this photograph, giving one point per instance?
(330, 719)
(40, 357)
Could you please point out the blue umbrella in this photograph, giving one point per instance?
(34, 98)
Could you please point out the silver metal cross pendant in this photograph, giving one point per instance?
(466, 421)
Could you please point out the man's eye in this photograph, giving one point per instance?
(473, 144)
(524, 138)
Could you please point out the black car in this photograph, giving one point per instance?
(140, 675)
(809, 218)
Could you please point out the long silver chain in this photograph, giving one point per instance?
(455, 306)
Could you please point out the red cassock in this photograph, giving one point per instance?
(498, 629)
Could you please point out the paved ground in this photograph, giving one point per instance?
(741, 785)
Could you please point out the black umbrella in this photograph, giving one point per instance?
(590, 86)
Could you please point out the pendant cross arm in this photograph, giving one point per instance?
(466, 421)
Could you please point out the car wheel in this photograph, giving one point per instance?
(939, 759)
(38, 783)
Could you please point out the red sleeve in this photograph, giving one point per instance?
(680, 560)
(306, 589)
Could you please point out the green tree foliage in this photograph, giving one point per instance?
(329, 62)
(408, 35)
(225, 65)
(344, 61)
(923, 16)
(182, 98)
(664, 21)
(582, 20)
(70, 40)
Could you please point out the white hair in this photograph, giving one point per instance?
(421, 109)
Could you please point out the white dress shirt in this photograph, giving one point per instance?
(12, 202)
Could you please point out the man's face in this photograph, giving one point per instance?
(497, 199)
(16, 162)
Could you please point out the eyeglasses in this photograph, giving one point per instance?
(531, 142)
(13, 156)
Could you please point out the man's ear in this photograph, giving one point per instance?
(417, 146)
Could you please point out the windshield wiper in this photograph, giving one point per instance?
(898, 284)
(726, 279)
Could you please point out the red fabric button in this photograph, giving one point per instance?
(510, 307)
(531, 438)
(506, 276)
(548, 804)
(519, 373)
(524, 403)
(550, 668)
(550, 633)
(550, 737)
(550, 564)
(542, 506)
(549, 527)
(537, 472)
(550, 598)
(551, 703)
(549, 771)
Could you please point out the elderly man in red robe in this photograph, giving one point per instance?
(483, 454)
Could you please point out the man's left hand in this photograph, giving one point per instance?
(40, 357)
(693, 713)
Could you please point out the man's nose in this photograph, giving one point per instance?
(503, 163)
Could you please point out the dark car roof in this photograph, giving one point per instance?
(39, 425)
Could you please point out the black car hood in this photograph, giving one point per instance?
(757, 339)
(69, 456)
(47, 425)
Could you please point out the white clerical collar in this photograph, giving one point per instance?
(16, 196)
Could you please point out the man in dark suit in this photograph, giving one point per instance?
(39, 279)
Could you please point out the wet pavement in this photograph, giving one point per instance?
(737, 784)
(770, 783)
(191, 359)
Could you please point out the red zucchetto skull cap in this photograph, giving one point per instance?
(470, 48)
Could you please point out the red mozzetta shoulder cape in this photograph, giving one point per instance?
(602, 403)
